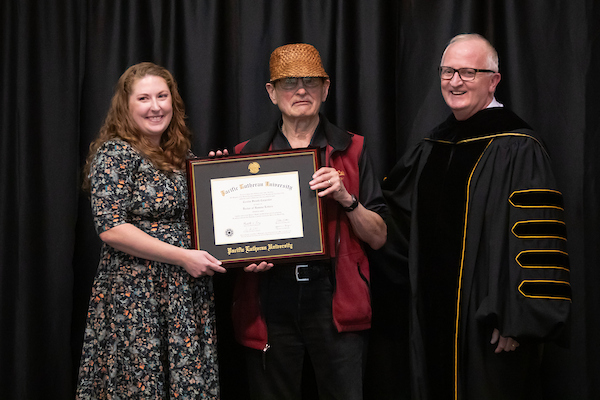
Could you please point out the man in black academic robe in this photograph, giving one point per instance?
(479, 221)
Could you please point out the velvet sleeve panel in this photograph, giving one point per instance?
(516, 241)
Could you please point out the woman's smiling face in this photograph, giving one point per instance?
(151, 106)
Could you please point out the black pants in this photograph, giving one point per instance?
(299, 322)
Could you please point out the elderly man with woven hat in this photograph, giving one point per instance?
(321, 310)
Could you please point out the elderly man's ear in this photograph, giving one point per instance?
(270, 86)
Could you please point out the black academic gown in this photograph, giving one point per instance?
(479, 222)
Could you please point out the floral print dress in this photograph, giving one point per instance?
(150, 330)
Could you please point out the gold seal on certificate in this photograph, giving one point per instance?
(257, 207)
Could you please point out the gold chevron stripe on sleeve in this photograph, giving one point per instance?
(542, 259)
(546, 289)
(537, 198)
(540, 229)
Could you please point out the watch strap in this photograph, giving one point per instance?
(352, 206)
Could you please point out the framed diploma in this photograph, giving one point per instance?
(250, 208)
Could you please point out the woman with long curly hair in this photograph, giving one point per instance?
(150, 330)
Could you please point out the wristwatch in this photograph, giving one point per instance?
(352, 206)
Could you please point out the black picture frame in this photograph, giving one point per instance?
(203, 172)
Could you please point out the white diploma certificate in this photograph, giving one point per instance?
(256, 208)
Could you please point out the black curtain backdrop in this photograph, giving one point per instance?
(62, 58)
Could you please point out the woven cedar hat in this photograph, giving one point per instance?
(296, 60)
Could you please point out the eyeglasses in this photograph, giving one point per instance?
(291, 83)
(466, 74)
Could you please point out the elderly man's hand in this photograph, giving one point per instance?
(218, 153)
(263, 266)
(328, 181)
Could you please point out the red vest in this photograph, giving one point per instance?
(351, 299)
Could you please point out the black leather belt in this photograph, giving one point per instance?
(302, 272)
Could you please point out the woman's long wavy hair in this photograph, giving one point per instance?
(175, 142)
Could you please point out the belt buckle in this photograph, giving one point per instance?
(297, 273)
